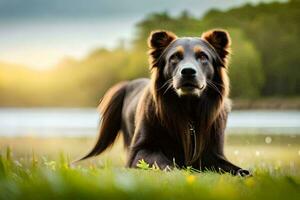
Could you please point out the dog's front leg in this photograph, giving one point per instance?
(218, 162)
(146, 146)
(155, 158)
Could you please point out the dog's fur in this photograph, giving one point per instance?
(176, 118)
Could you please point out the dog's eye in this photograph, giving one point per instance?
(202, 56)
(175, 58)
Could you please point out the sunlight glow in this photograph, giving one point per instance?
(32, 57)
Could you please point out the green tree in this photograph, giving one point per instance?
(245, 68)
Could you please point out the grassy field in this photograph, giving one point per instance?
(35, 168)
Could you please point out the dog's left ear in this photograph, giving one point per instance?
(220, 40)
(157, 42)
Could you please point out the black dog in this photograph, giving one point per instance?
(178, 117)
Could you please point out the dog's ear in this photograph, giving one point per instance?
(220, 40)
(157, 42)
(160, 39)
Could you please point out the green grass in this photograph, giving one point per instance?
(38, 170)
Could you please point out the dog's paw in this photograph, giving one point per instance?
(243, 173)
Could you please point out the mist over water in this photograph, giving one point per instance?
(55, 122)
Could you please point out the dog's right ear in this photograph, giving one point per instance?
(160, 39)
(157, 42)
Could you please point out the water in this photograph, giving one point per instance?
(52, 122)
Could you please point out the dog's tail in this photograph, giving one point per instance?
(111, 110)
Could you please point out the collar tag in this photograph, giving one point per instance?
(192, 129)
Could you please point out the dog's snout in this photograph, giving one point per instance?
(188, 72)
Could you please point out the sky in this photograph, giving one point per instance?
(39, 33)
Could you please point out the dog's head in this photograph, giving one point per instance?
(189, 64)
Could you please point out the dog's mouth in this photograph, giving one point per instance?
(189, 88)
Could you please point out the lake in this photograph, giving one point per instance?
(53, 122)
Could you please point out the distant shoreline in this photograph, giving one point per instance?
(267, 104)
(270, 103)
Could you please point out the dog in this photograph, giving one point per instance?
(177, 118)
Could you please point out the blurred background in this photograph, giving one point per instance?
(57, 58)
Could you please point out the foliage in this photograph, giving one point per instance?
(143, 165)
(245, 68)
(40, 178)
(274, 30)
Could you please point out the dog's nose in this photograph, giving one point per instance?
(188, 72)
